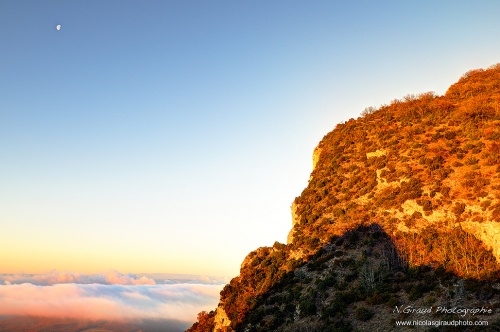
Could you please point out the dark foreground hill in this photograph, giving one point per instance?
(402, 210)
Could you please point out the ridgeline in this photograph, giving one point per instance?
(402, 210)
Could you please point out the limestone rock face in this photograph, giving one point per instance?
(316, 155)
(295, 221)
(222, 322)
(487, 232)
(295, 216)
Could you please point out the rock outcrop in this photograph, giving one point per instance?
(316, 155)
(221, 321)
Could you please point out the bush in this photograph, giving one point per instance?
(458, 209)
(363, 314)
(471, 161)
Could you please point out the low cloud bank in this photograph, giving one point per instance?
(110, 296)
(111, 277)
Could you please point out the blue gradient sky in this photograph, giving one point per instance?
(172, 136)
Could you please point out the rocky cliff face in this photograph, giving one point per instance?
(221, 321)
(418, 163)
(295, 221)
(424, 171)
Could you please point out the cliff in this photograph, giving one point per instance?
(418, 184)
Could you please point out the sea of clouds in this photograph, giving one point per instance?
(109, 296)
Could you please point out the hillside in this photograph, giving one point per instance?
(416, 183)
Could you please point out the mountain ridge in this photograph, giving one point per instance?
(424, 169)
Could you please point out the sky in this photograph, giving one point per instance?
(173, 136)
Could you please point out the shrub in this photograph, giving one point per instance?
(363, 314)
(471, 161)
(307, 307)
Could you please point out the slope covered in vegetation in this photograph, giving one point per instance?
(425, 171)
(359, 282)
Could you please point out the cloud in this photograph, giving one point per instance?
(169, 278)
(110, 296)
(116, 278)
(54, 277)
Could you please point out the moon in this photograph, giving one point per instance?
(58, 27)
